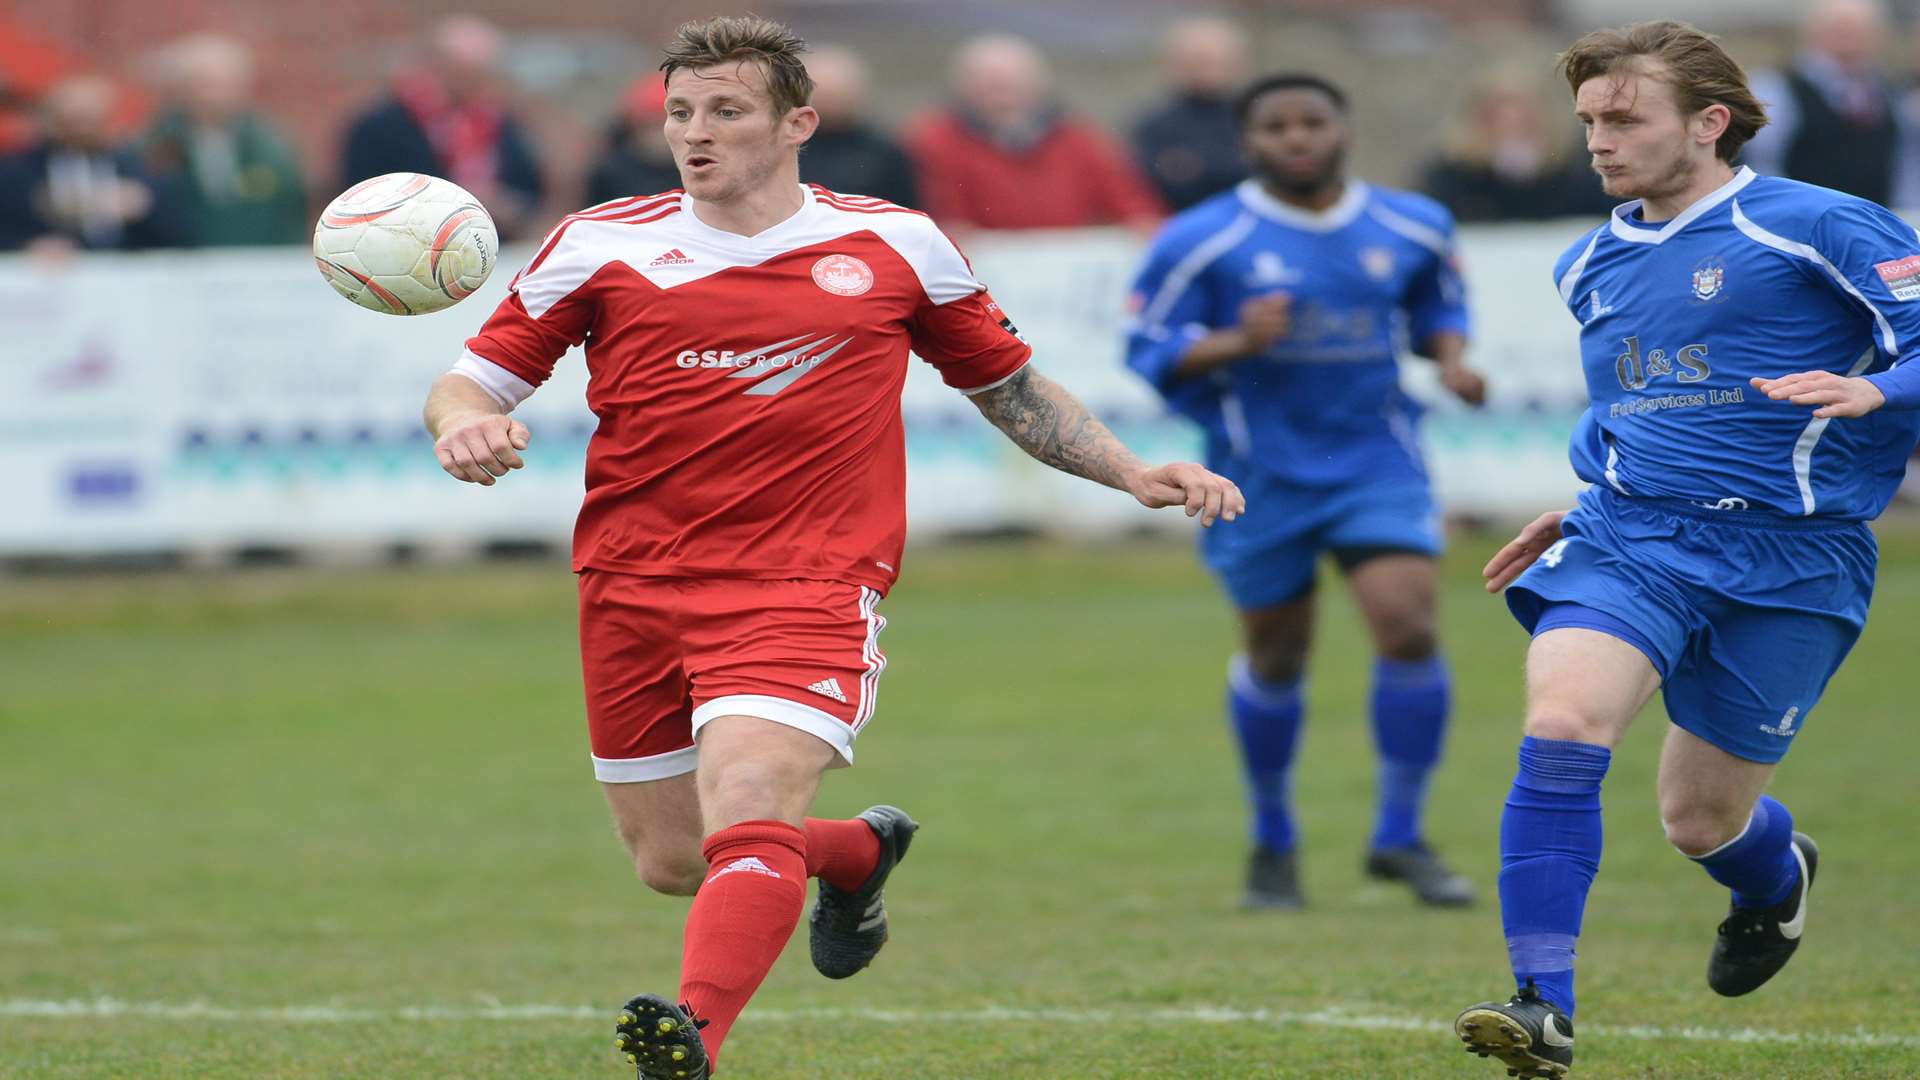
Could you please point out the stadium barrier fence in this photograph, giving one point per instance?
(215, 401)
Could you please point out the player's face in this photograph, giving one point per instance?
(1296, 139)
(728, 140)
(1643, 145)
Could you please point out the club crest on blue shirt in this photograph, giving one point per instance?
(1269, 270)
(1709, 278)
(1377, 262)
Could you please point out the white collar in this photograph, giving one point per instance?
(770, 233)
(1339, 215)
(1640, 234)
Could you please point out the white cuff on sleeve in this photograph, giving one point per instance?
(503, 386)
(971, 391)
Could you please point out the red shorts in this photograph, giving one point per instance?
(663, 655)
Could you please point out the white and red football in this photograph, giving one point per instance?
(405, 244)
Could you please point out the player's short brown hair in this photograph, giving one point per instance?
(774, 46)
(1688, 59)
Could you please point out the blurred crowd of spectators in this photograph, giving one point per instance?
(1003, 151)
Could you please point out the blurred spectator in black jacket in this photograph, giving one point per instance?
(238, 178)
(1833, 110)
(449, 118)
(635, 159)
(1506, 160)
(1189, 145)
(847, 154)
(76, 188)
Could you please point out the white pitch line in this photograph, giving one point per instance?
(1340, 1018)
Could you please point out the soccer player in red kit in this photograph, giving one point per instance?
(747, 344)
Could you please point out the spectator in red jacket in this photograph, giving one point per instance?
(452, 116)
(1004, 155)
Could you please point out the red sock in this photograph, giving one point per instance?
(841, 853)
(745, 912)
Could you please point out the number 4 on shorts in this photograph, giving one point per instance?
(1554, 554)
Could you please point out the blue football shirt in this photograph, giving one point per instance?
(1323, 405)
(1763, 278)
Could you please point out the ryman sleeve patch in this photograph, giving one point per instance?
(1902, 277)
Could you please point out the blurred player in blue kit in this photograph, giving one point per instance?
(1747, 344)
(1273, 315)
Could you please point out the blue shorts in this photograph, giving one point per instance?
(1270, 554)
(1745, 615)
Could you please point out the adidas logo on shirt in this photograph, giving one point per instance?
(751, 865)
(675, 257)
(830, 688)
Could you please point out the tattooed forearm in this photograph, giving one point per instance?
(1046, 421)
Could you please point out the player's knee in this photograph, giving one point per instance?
(746, 791)
(1565, 723)
(1408, 640)
(1696, 828)
(1277, 657)
(1277, 666)
(672, 876)
(672, 869)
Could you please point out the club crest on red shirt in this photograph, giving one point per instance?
(843, 275)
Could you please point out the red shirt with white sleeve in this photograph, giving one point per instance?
(748, 388)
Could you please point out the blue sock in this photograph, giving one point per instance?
(1410, 700)
(1266, 717)
(1549, 852)
(1758, 865)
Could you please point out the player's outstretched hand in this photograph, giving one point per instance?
(1836, 395)
(1511, 561)
(1209, 495)
(480, 448)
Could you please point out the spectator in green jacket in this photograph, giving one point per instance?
(237, 176)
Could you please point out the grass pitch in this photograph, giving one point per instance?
(341, 824)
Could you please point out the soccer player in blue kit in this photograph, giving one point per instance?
(1273, 315)
(1748, 346)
